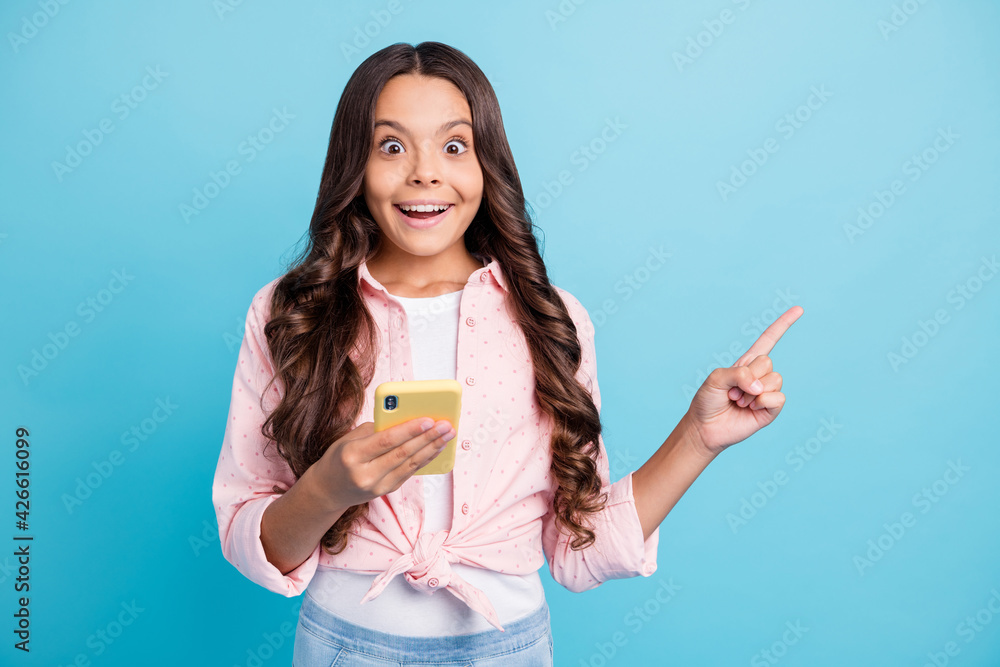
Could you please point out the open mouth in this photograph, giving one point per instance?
(423, 215)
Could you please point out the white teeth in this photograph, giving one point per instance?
(424, 208)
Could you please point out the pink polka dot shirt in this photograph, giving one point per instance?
(503, 489)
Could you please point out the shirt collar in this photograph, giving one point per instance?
(492, 268)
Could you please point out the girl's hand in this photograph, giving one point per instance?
(736, 402)
(363, 464)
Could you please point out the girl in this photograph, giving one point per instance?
(422, 264)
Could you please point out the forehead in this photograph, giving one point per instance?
(421, 103)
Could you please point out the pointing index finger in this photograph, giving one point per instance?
(767, 340)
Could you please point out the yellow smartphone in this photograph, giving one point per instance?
(398, 402)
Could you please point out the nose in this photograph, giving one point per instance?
(425, 165)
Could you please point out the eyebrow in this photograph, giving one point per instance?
(399, 128)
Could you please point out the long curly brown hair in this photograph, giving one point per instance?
(323, 340)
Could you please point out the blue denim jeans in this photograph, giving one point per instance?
(323, 639)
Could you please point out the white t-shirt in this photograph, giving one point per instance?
(400, 609)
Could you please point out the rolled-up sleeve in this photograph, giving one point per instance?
(619, 551)
(245, 475)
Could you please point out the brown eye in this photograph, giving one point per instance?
(456, 140)
(391, 140)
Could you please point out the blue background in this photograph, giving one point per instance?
(146, 535)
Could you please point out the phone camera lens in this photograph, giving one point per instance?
(390, 402)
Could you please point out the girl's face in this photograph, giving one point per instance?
(423, 154)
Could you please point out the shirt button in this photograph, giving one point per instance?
(471, 321)
(470, 380)
(432, 582)
(399, 322)
(465, 508)
(482, 277)
(466, 445)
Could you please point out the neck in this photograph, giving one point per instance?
(416, 276)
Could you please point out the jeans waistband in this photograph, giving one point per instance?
(517, 634)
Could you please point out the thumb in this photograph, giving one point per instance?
(725, 379)
(360, 431)
(364, 428)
